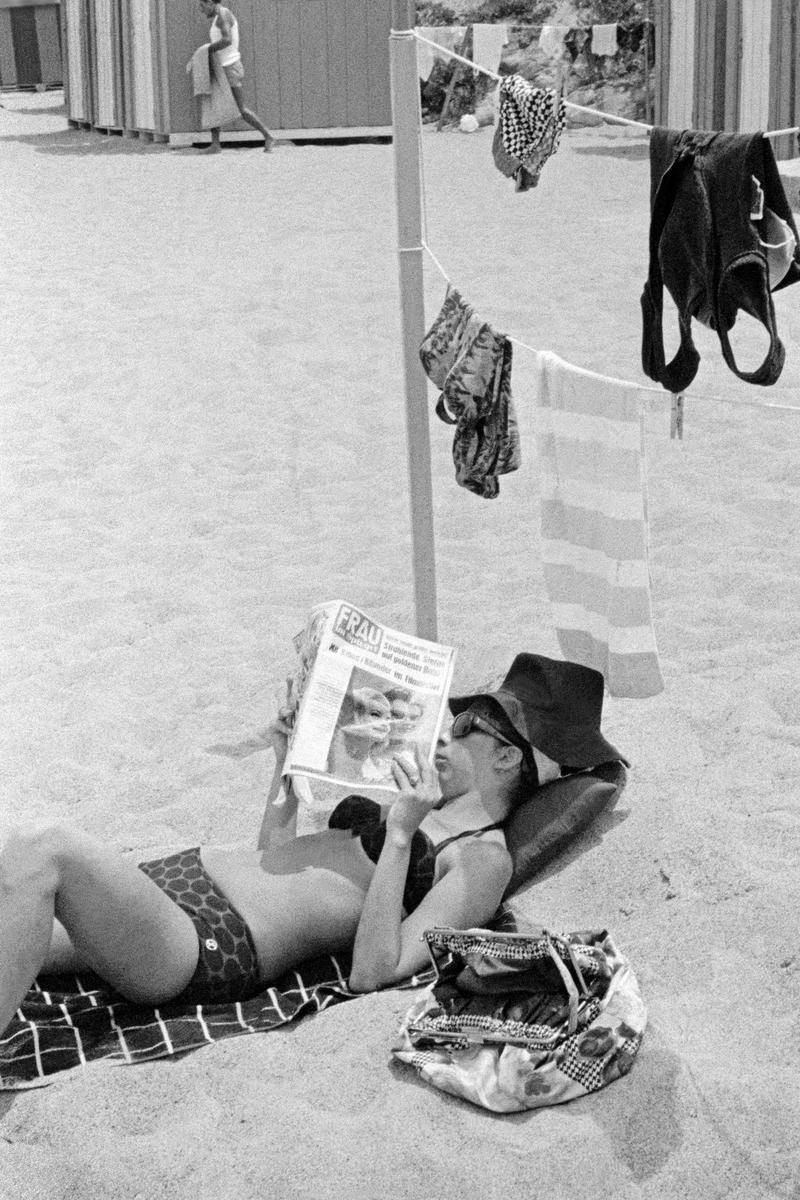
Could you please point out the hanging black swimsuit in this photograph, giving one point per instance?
(363, 817)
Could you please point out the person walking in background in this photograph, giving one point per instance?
(224, 37)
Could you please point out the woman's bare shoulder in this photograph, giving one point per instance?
(486, 852)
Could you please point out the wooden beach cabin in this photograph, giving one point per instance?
(30, 44)
(729, 64)
(313, 68)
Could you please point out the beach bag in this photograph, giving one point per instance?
(521, 1020)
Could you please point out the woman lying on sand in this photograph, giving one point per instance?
(218, 924)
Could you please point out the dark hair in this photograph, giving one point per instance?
(521, 787)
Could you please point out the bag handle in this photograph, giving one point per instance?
(576, 966)
(569, 984)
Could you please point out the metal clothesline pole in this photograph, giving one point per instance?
(406, 125)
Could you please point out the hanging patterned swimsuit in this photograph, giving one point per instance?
(363, 817)
(471, 364)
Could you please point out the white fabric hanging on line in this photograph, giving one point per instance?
(605, 39)
(551, 39)
(592, 479)
(487, 46)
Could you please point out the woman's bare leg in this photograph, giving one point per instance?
(251, 118)
(119, 922)
(62, 957)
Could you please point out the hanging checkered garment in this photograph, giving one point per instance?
(531, 122)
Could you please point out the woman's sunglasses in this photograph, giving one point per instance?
(467, 722)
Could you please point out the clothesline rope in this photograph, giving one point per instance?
(524, 345)
(628, 383)
(569, 104)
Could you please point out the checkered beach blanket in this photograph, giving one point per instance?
(69, 1021)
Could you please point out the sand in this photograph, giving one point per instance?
(202, 435)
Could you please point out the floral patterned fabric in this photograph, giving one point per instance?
(517, 1021)
(471, 364)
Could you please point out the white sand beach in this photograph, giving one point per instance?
(202, 434)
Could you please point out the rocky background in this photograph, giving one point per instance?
(622, 85)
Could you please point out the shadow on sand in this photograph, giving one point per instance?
(592, 836)
(83, 142)
(620, 149)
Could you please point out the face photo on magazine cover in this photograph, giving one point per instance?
(377, 719)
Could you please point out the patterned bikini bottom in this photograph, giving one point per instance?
(227, 967)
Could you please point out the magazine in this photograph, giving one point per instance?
(362, 693)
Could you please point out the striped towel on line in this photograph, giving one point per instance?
(594, 524)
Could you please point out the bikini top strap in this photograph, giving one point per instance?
(466, 833)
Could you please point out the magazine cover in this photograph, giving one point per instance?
(363, 693)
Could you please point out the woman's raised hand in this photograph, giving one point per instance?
(279, 731)
(419, 792)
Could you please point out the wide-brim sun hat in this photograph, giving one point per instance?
(555, 706)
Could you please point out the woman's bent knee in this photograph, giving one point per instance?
(34, 856)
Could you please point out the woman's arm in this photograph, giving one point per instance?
(378, 942)
(468, 895)
(387, 948)
(279, 823)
